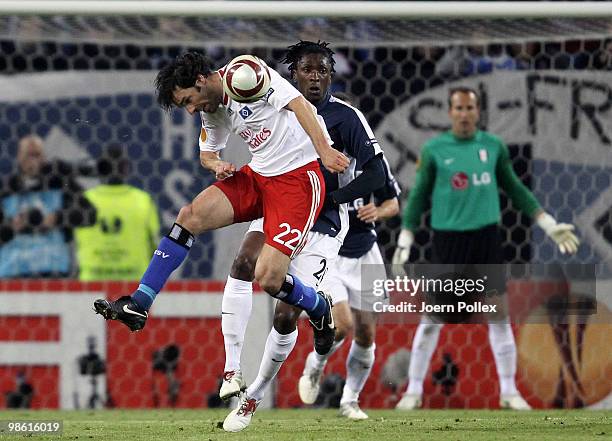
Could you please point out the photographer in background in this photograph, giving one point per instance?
(39, 207)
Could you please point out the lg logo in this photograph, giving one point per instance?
(483, 179)
(460, 180)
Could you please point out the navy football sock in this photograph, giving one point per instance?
(170, 253)
(295, 293)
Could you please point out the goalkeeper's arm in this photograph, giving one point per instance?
(562, 234)
(415, 207)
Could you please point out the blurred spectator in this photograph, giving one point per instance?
(121, 243)
(39, 206)
(603, 58)
(460, 61)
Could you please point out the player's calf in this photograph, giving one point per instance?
(342, 319)
(286, 318)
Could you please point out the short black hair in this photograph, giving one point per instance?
(183, 73)
(297, 51)
(462, 89)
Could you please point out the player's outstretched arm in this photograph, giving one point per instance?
(332, 159)
(211, 161)
(562, 234)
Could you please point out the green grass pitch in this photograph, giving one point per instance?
(311, 424)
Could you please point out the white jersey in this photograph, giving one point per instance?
(275, 138)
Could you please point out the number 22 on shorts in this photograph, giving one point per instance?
(282, 238)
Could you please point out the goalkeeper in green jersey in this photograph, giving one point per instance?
(461, 171)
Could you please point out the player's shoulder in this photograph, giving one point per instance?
(490, 138)
(437, 141)
(345, 112)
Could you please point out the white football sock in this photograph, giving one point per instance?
(235, 313)
(423, 346)
(278, 347)
(358, 367)
(504, 351)
(318, 361)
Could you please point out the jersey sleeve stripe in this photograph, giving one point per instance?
(390, 178)
(364, 124)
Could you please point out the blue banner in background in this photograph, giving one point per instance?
(79, 114)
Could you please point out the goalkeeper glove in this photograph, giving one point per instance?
(562, 234)
(402, 252)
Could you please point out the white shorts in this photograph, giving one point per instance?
(343, 282)
(315, 259)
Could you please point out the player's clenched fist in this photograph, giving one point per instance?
(224, 170)
(334, 161)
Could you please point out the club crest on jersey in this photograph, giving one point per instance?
(245, 112)
(482, 153)
(459, 181)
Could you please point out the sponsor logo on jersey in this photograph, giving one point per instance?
(267, 95)
(253, 139)
(449, 161)
(203, 135)
(245, 112)
(482, 153)
(459, 181)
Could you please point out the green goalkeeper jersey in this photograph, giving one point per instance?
(462, 177)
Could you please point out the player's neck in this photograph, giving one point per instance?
(318, 103)
(215, 83)
(464, 136)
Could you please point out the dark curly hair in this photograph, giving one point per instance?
(297, 51)
(183, 73)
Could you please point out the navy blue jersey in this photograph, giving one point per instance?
(352, 135)
(361, 235)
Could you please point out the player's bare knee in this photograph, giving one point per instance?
(243, 267)
(270, 281)
(269, 278)
(187, 219)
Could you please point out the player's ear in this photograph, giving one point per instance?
(200, 80)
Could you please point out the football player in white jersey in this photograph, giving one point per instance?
(311, 66)
(285, 137)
